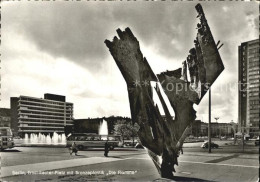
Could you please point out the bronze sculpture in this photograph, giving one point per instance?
(164, 137)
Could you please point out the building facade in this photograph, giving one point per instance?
(217, 129)
(223, 129)
(37, 115)
(248, 92)
(5, 117)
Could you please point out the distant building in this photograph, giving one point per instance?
(5, 117)
(248, 93)
(204, 129)
(196, 128)
(37, 115)
(219, 129)
(222, 129)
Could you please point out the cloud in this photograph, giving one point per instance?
(225, 8)
(64, 30)
(58, 47)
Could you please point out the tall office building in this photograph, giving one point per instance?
(248, 93)
(37, 115)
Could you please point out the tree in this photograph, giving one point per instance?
(126, 129)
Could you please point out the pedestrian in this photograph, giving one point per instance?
(73, 149)
(106, 149)
(181, 150)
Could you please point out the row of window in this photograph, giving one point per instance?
(253, 69)
(254, 120)
(40, 113)
(254, 111)
(39, 126)
(254, 90)
(28, 115)
(254, 102)
(27, 107)
(254, 76)
(41, 122)
(44, 117)
(253, 51)
(43, 101)
(253, 56)
(44, 113)
(45, 104)
(39, 130)
(255, 107)
(253, 64)
(254, 115)
(30, 107)
(254, 94)
(251, 60)
(254, 81)
(254, 85)
(44, 122)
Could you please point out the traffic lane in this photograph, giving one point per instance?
(221, 158)
(216, 172)
(242, 161)
(184, 159)
(143, 169)
(225, 149)
(132, 168)
(28, 155)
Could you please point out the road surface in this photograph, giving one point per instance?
(196, 164)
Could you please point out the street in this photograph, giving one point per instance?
(125, 164)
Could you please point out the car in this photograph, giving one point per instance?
(223, 138)
(206, 145)
(139, 146)
(257, 142)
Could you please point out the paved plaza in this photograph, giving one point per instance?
(196, 164)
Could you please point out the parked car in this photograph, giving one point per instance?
(139, 146)
(206, 145)
(128, 143)
(223, 138)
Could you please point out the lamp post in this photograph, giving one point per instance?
(209, 127)
(216, 118)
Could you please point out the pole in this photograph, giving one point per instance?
(209, 127)
(243, 139)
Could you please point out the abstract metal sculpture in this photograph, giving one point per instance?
(163, 137)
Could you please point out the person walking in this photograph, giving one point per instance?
(106, 149)
(74, 149)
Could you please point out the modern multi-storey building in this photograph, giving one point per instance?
(37, 115)
(248, 77)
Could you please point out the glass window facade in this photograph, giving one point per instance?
(37, 115)
(249, 104)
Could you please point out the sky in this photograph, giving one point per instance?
(58, 47)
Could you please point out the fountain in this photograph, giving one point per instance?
(103, 130)
(35, 139)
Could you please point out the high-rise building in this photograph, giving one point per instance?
(37, 115)
(248, 77)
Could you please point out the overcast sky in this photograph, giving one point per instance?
(58, 47)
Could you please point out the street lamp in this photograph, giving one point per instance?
(209, 127)
(216, 118)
